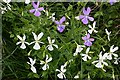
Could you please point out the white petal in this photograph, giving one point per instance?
(27, 43)
(55, 45)
(40, 35)
(75, 54)
(94, 24)
(18, 43)
(32, 62)
(90, 31)
(50, 59)
(87, 51)
(36, 46)
(60, 75)
(94, 62)
(95, 31)
(79, 48)
(35, 36)
(32, 42)
(44, 67)
(24, 37)
(105, 63)
(27, 1)
(53, 41)
(23, 46)
(50, 47)
(77, 18)
(19, 37)
(115, 55)
(99, 65)
(89, 57)
(49, 40)
(85, 58)
(62, 68)
(90, 26)
(76, 77)
(33, 69)
(58, 70)
(42, 62)
(109, 56)
(114, 49)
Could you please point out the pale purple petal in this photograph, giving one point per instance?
(32, 10)
(84, 38)
(91, 18)
(41, 9)
(85, 21)
(34, 5)
(62, 20)
(91, 39)
(88, 36)
(38, 4)
(61, 28)
(86, 12)
(87, 43)
(37, 13)
(56, 22)
(81, 16)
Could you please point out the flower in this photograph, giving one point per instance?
(61, 75)
(37, 40)
(77, 76)
(112, 50)
(27, 1)
(88, 40)
(51, 43)
(22, 41)
(60, 26)
(85, 17)
(31, 63)
(46, 66)
(78, 49)
(7, 1)
(37, 10)
(85, 56)
(92, 28)
(100, 62)
(112, 2)
(108, 33)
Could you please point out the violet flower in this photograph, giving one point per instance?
(60, 26)
(86, 16)
(88, 40)
(36, 10)
(112, 2)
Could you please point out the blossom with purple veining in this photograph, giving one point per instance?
(88, 40)
(60, 26)
(36, 9)
(86, 16)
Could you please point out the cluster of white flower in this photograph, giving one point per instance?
(36, 42)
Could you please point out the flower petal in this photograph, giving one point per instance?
(33, 69)
(85, 20)
(61, 28)
(32, 10)
(81, 16)
(86, 12)
(91, 39)
(55, 45)
(84, 38)
(37, 13)
(40, 35)
(35, 36)
(99, 65)
(91, 18)
(62, 20)
(77, 18)
(56, 22)
(19, 37)
(18, 43)
(90, 31)
(41, 9)
(50, 47)
(88, 43)
(36, 46)
(44, 67)
(27, 1)
(50, 59)
(23, 46)
(60, 75)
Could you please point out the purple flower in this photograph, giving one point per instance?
(36, 10)
(88, 40)
(86, 16)
(112, 2)
(60, 26)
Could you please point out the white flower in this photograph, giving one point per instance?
(112, 50)
(37, 40)
(85, 56)
(77, 17)
(27, 1)
(31, 63)
(116, 60)
(108, 34)
(61, 75)
(52, 17)
(46, 66)
(78, 49)
(51, 43)
(22, 41)
(92, 28)
(100, 62)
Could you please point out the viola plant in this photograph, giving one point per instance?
(45, 40)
